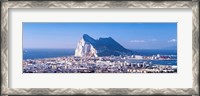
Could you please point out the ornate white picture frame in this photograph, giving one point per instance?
(6, 5)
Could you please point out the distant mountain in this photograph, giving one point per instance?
(90, 47)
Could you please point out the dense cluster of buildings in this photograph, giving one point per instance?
(107, 64)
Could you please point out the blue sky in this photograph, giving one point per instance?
(129, 35)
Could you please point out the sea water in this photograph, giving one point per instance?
(51, 53)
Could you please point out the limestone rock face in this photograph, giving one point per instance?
(85, 49)
(89, 47)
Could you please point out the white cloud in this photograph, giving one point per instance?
(172, 40)
(137, 41)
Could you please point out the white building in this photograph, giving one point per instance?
(138, 57)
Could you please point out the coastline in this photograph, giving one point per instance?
(107, 64)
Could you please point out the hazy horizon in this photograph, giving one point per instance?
(127, 48)
(129, 35)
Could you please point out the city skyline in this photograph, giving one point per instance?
(129, 35)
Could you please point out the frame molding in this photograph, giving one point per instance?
(98, 4)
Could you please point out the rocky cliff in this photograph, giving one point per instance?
(89, 47)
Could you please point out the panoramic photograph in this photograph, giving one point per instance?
(50, 47)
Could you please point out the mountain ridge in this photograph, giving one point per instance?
(90, 47)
